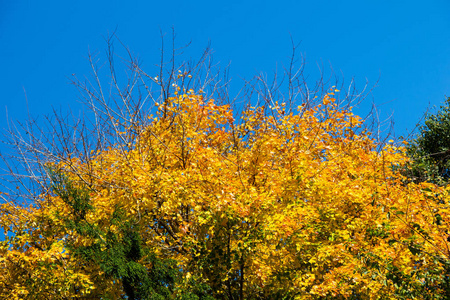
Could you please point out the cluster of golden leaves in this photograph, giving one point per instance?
(300, 202)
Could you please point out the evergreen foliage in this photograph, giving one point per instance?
(430, 150)
(121, 254)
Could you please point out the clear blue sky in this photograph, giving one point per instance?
(403, 44)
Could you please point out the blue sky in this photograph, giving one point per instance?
(403, 46)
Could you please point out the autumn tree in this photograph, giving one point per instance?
(172, 189)
(429, 153)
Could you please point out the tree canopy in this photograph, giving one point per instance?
(202, 199)
(430, 149)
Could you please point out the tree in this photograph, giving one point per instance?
(429, 154)
(430, 150)
(286, 196)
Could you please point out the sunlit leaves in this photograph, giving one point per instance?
(261, 204)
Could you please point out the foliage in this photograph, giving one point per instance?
(430, 150)
(280, 204)
(200, 199)
(119, 253)
(429, 154)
